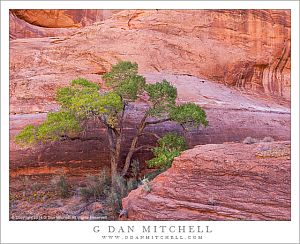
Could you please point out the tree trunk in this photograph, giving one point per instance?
(113, 156)
(114, 170)
(134, 144)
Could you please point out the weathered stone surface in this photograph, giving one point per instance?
(234, 63)
(230, 181)
(28, 23)
(249, 49)
(63, 18)
(19, 28)
(229, 120)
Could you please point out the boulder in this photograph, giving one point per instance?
(230, 181)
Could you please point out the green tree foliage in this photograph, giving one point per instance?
(125, 81)
(83, 100)
(56, 125)
(26, 136)
(188, 114)
(169, 147)
(162, 96)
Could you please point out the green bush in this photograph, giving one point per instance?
(115, 194)
(169, 147)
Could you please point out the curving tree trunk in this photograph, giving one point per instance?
(133, 145)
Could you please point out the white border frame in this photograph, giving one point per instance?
(82, 232)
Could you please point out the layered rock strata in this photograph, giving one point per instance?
(249, 49)
(230, 181)
(32, 23)
(229, 120)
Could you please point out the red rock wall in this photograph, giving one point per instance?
(92, 153)
(248, 50)
(31, 23)
(231, 181)
(243, 48)
(19, 28)
(53, 18)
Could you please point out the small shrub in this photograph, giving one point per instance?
(250, 140)
(132, 184)
(63, 187)
(146, 185)
(113, 200)
(135, 168)
(86, 193)
(96, 186)
(150, 176)
(121, 186)
(36, 186)
(121, 189)
(267, 139)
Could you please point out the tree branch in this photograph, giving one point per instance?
(117, 133)
(68, 138)
(144, 147)
(150, 134)
(157, 121)
(102, 119)
(134, 141)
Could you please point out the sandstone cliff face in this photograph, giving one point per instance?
(229, 120)
(53, 18)
(233, 63)
(242, 48)
(246, 50)
(231, 181)
(19, 28)
(31, 23)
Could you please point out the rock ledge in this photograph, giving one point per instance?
(230, 181)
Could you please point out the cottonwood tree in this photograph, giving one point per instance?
(83, 100)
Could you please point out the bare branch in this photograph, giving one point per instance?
(102, 119)
(116, 131)
(66, 138)
(144, 147)
(157, 121)
(150, 134)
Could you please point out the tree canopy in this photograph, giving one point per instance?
(83, 100)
